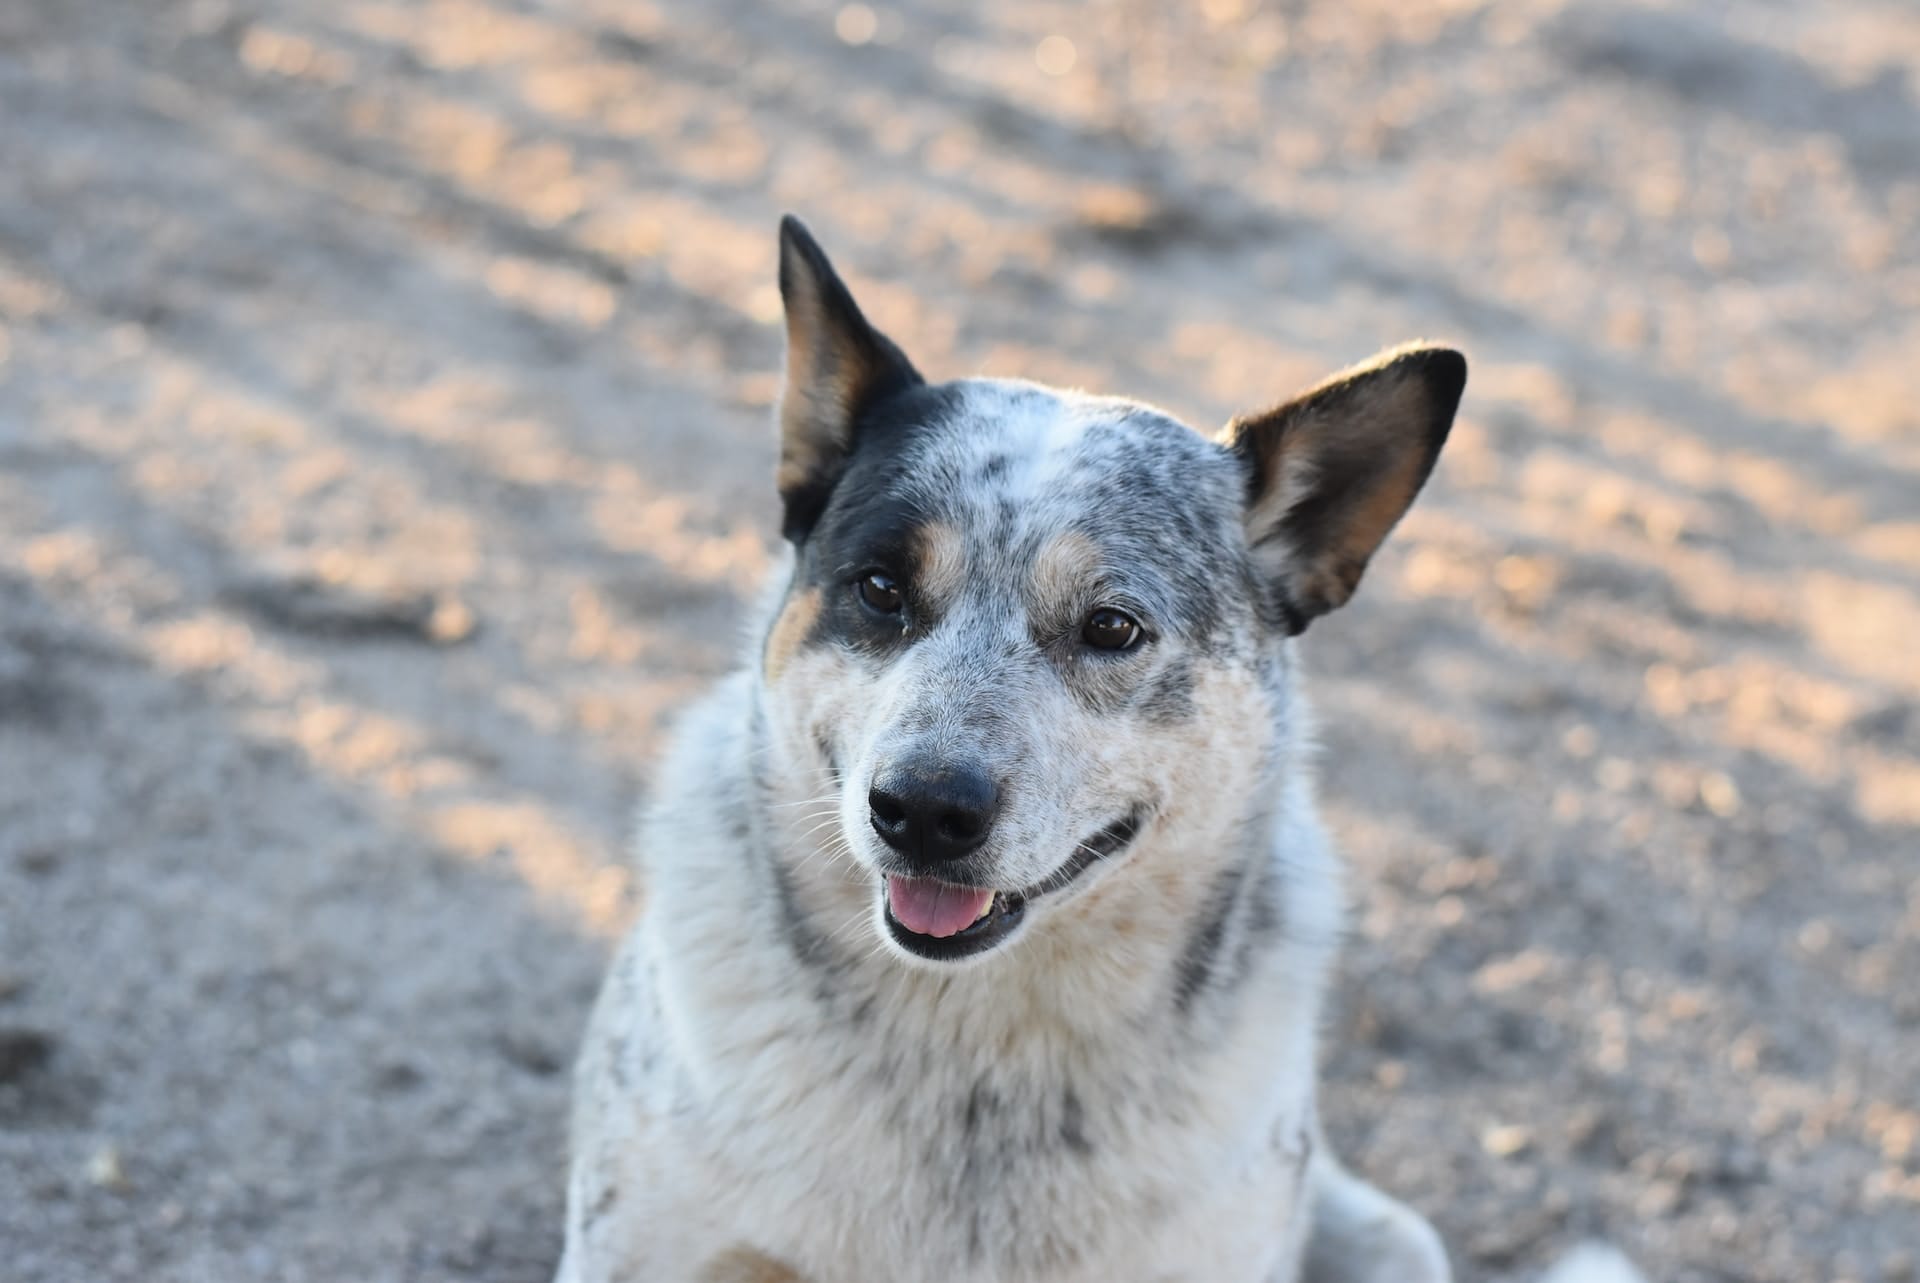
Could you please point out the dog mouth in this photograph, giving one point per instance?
(943, 921)
(946, 921)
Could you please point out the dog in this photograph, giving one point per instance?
(988, 917)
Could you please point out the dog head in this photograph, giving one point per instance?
(1035, 637)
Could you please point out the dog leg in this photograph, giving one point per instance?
(1359, 1235)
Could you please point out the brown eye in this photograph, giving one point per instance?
(880, 593)
(1109, 629)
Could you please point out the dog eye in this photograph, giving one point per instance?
(880, 593)
(1110, 629)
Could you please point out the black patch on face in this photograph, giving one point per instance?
(870, 523)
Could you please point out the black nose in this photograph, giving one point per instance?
(932, 814)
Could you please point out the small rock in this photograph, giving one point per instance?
(398, 1075)
(1661, 1198)
(1592, 1133)
(530, 1054)
(1719, 794)
(106, 1170)
(1736, 1165)
(1509, 1140)
(22, 1051)
(39, 860)
(450, 622)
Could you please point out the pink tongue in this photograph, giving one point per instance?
(930, 907)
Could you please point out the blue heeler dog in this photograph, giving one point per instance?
(988, 915)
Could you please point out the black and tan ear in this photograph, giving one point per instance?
(837, 367)
(1331, 471)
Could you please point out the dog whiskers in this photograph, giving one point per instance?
(805, 801)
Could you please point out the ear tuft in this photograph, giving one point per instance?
(837, 366)
(1331, 472)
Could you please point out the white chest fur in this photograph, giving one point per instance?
(878, 1148)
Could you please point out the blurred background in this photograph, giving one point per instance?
(385, 454)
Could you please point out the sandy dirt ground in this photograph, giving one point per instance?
(385, 455)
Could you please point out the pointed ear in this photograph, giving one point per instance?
(837, 366)
(1331, 471)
